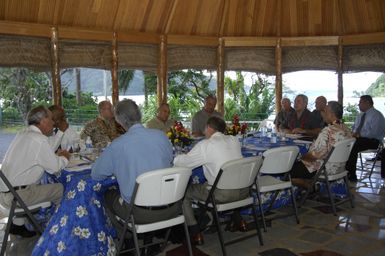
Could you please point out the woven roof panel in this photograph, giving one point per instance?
(191, 57)
(138, 56)
(309, 58)
(85, 54)
(25, 52)
(365, 58)
(253, 59)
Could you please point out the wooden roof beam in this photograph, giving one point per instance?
(192, 40)
(250, 41)
(310, 41)
(362, 39)
(25, 29)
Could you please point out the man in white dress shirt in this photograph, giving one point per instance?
(211, 153)
(64, 137)
(25, 161)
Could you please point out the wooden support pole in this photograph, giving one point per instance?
(278, 76)
(114, 71)
(221, 76)
(340, 92)
(162, 71)
(55, 67)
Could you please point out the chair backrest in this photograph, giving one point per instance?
(239, 173)
(279, 160)
(161, 187)
(341, 151)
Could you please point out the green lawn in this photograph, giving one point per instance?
(11, 128)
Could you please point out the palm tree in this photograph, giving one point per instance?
(124, 78)
(150, 82)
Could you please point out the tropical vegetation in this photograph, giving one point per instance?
(22, 88)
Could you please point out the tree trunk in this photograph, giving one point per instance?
(78, 86)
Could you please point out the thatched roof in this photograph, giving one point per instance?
(309, 31)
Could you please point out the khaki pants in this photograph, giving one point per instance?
(200, 192)
(35, 194)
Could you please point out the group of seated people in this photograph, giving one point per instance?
(132, 149)
(368, 129)
(299, 119)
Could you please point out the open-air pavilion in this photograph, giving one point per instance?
(264, 36)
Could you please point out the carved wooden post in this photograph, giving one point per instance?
(220, 76)
(162, 71)
(55, 67)
(340, 92)
(278, 76)
(114, 70)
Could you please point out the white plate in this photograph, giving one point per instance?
(293, 136)
(303, 141)
(78, 168)
(76, 162)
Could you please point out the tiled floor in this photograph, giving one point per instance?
(358, 231)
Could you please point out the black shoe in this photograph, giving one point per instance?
(352, 178)
(21, 231)
(151, 250)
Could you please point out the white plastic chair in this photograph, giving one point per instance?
(153, 189)
(338, 154)
(235, 174)
(276, 161)
(18, 209)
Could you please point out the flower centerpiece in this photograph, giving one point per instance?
(236, 128)
(179, 135)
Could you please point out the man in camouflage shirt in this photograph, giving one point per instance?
(104, 128)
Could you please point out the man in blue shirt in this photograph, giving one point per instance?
(368, 129)
(137, 151)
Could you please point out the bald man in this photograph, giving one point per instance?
(200, 118)
(161, 121)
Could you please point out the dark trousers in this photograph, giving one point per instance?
(361, 144)
(299, 171)
(115, 205)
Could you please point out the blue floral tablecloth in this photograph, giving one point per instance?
(79, 225)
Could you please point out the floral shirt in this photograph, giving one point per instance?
(101, 132)
(323, 144)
